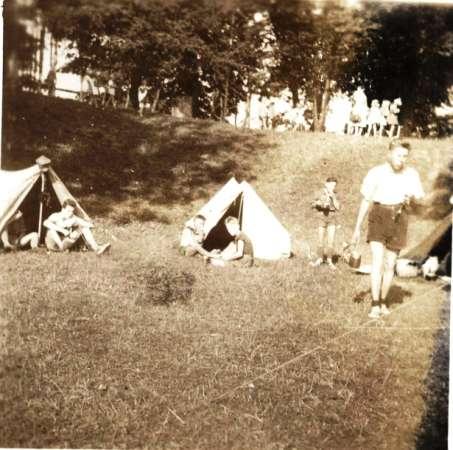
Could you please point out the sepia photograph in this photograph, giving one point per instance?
(226, 224)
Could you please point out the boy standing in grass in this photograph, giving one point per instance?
(327, 206)
(386, 190)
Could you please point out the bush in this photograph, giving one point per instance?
(160, 286)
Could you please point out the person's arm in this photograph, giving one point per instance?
(239, 253)
(363, 210)
(82, 223)
(335, 201)
(4, 236)
(50, 223)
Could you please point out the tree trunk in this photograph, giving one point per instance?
(226, 99)
(247, 112)
(155, 101)
(136, 79)
(324, 105)
(315, 113)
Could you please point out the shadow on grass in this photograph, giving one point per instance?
(120, 158)
(433, 433)
(396, 295)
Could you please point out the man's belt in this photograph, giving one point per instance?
(396, 206)
(396, 209)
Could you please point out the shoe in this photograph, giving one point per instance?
(102, 249)
(316, 263)
(384, 310)
(375, 312)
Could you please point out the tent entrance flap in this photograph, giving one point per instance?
(218, 237)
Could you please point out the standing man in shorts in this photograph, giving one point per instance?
(387, 190)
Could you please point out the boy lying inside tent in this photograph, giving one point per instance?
(15, 237)
(239, 251)
(64, 229)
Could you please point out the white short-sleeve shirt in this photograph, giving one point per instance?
(383, 185)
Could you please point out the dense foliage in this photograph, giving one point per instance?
(218, 53)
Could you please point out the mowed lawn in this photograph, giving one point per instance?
(143, 348)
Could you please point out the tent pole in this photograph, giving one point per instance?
(241, 204)
(41, 205)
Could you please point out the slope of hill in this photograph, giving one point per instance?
(144, 348)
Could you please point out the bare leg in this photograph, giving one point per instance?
(331, 229)
(320, 259)
(89, 238)
(389, 271)
(30, 238)
(377, 253)
(54, 238)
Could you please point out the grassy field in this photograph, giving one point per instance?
(144, 348)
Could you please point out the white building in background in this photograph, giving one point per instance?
(51, 54)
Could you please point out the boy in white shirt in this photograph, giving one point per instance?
(387, 190)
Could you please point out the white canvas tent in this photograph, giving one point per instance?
(270, 239)
(22, 189)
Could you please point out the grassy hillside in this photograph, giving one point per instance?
(145, 348)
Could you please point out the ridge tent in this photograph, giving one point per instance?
(437, 243)
(37, 191)
(269, 238)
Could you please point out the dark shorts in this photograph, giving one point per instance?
(385, 225)
(326, 218)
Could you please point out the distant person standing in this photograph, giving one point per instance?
(327, 206)
(110, 93)
(387, 190)
(51, 82)
(142, 97)
(392, 120)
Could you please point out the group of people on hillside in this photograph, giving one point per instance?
(352, 115)
(388, 192)
(104, 94)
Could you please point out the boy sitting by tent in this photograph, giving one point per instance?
(239, 251)
(64, 229)
(15, 237)
(193, 237)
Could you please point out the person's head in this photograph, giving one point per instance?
(331, 184)
(398, 154)
(375, 103)
(232, 225)
(198, 222)
(68, 207)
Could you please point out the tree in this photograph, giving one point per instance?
(409, 56)
(197, 47)
(315, 45)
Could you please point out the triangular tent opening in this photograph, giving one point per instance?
(31, 189)
(269, 238)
